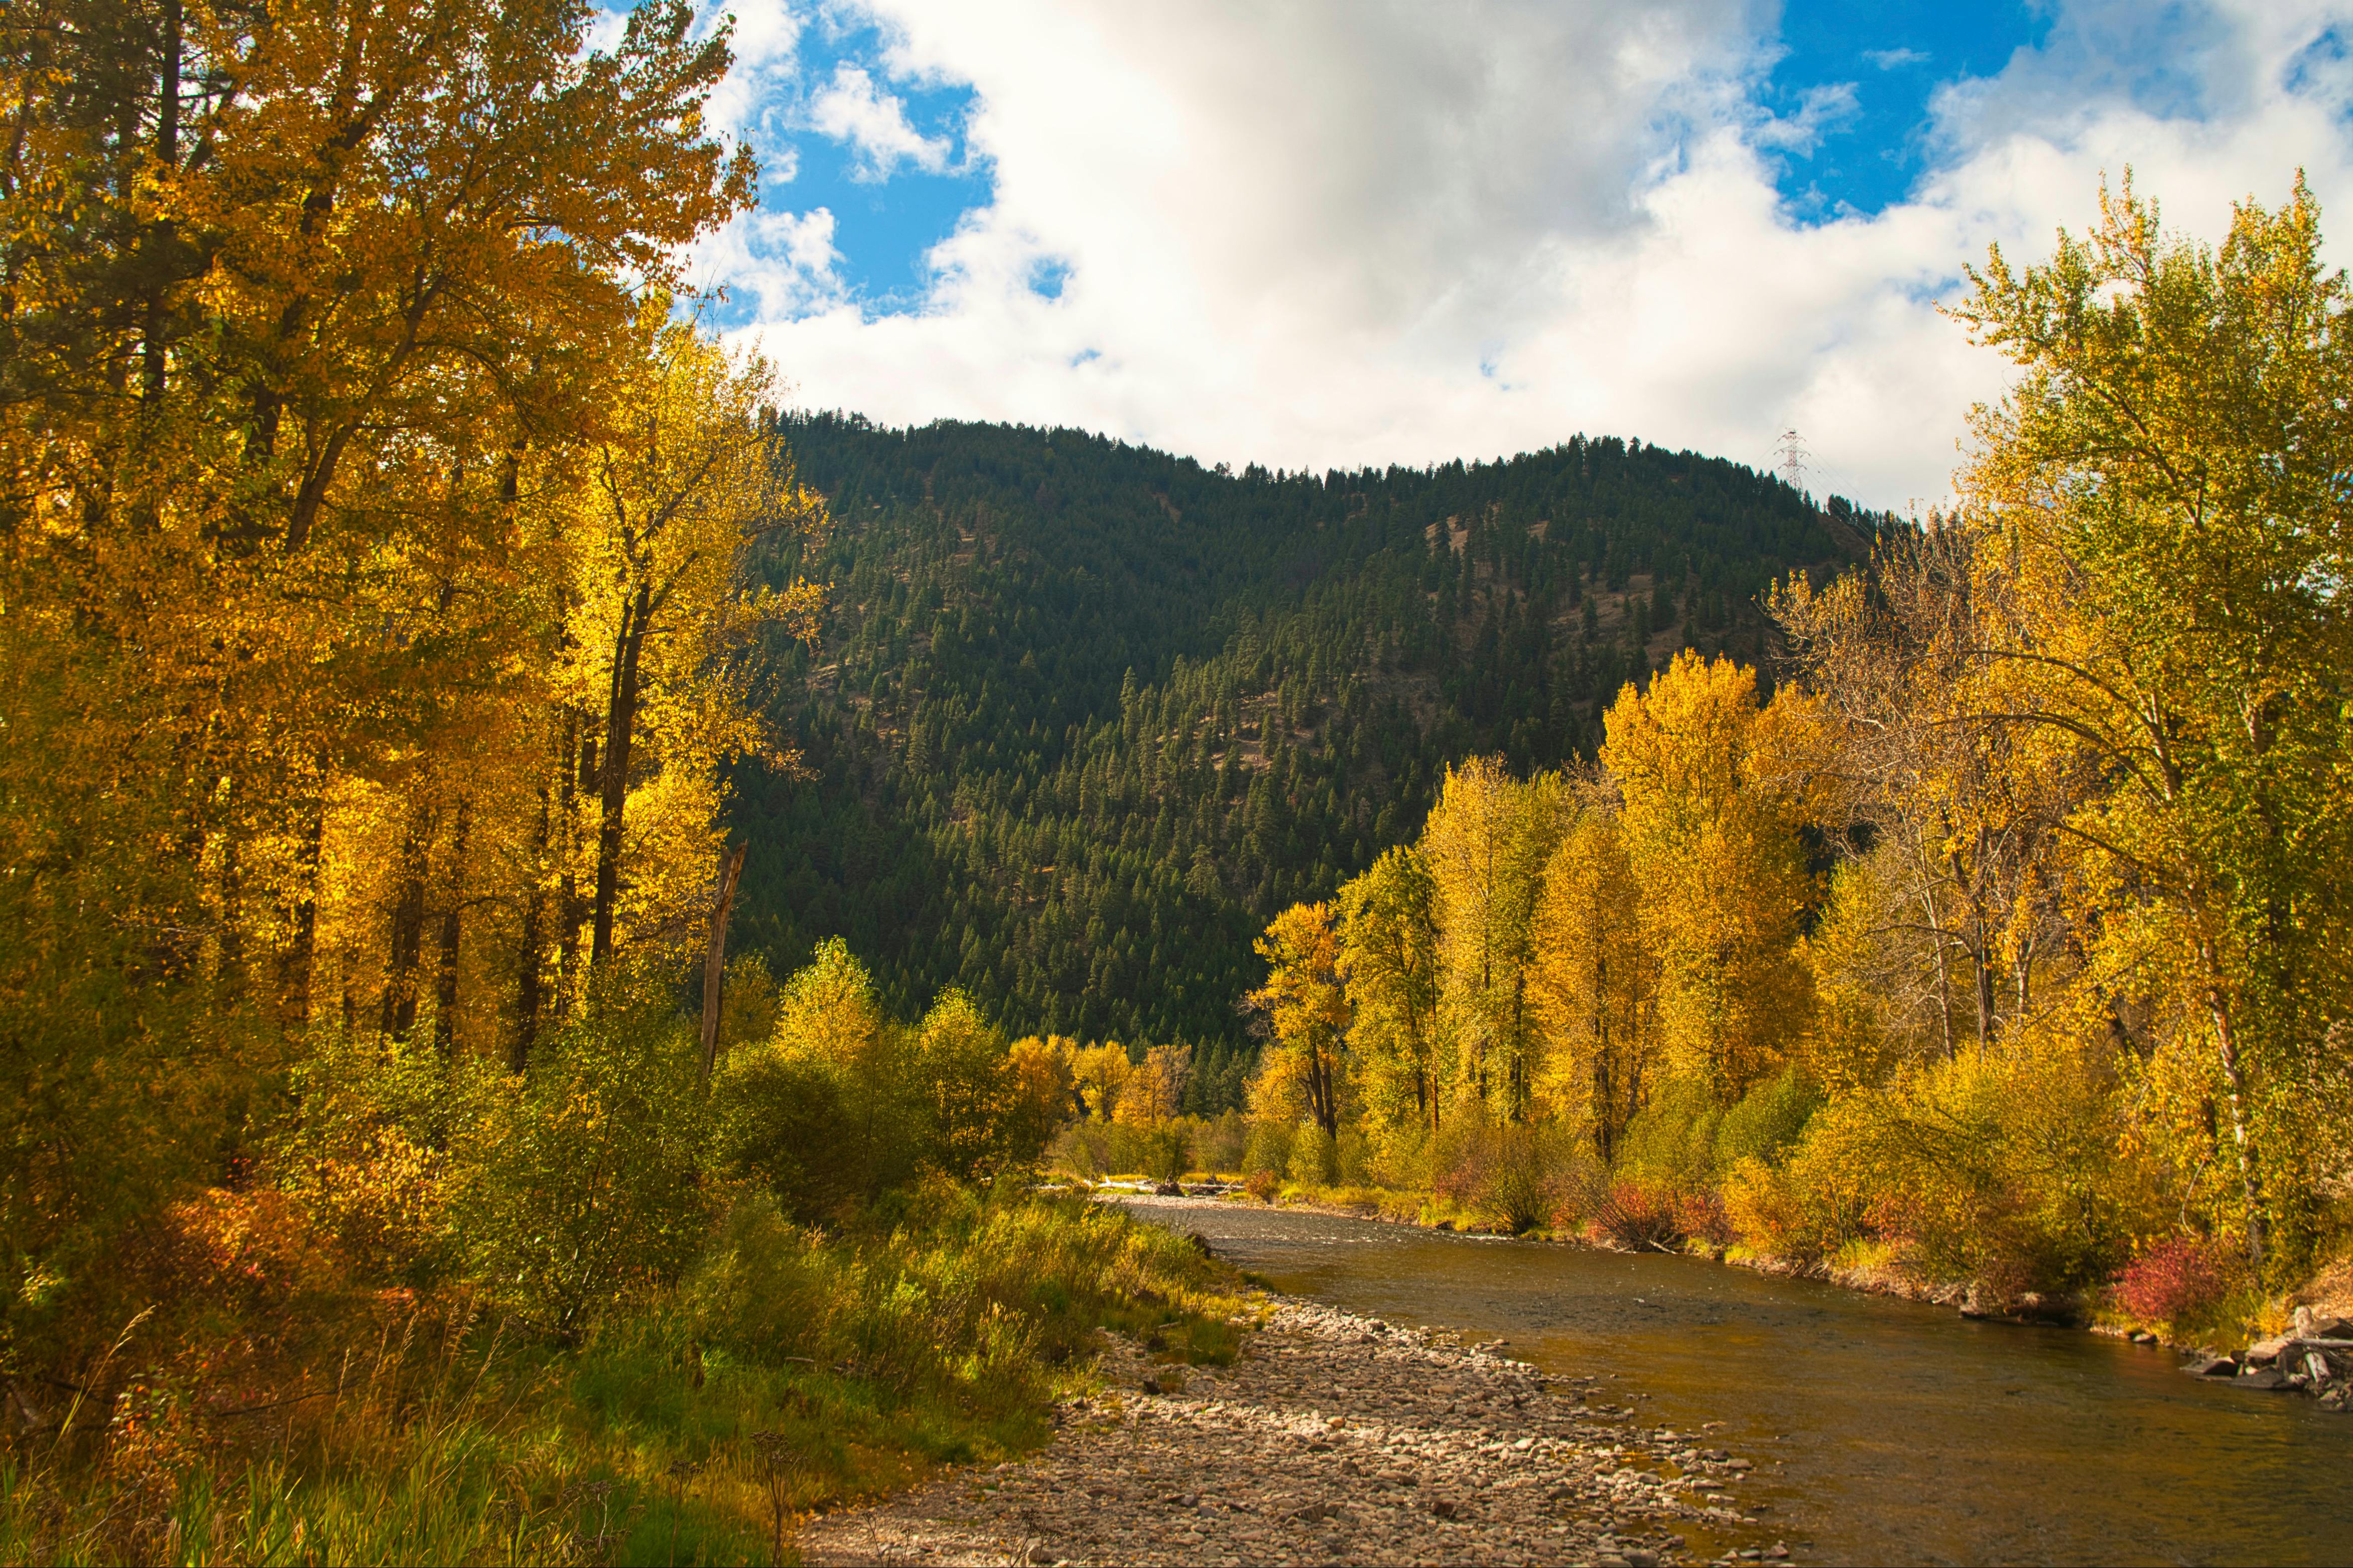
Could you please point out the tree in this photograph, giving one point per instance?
(1486, 843)
(1594, 982)
(1306, 1008)
(1715, 791)
(2162, 550)
(1388, 963)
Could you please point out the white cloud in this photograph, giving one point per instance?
(1347, 232)
(1889, 59)
(874, 124)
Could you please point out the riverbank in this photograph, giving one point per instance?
(2327, 1296)
(1332, 1437)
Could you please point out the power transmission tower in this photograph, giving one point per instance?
(1790, 456)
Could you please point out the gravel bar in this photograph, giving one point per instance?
(1334, 1438)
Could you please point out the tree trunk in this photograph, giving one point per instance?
(579, 772)
(2243, 1137)
(294, 968)
(399, 1008)
(620, 717)
(529, 974)
(444, 975)
(714, 961)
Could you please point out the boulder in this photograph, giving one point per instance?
(2211, 1367)
(2263, 1352)
(2259, 1377)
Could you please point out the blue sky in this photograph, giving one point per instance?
(1347, 231)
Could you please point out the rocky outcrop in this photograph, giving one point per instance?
(1336, 1438)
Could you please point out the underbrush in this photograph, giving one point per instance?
(790, 1369)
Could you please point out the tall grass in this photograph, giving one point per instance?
(788, 1371)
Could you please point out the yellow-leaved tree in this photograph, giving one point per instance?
(1486, 843)
(1306, 1008)
(1716, 789)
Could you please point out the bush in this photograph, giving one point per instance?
(1314, 1156)
(1671, 1142)
(1998, 1167)
(1220, 1146)
(1636, 1214)
(1262, 1185)
(1769, 1120)
(1164, 1147)
(2180, 1282)
(582, 1184)
(1270, 1147)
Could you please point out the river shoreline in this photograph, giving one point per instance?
(1334, 1437)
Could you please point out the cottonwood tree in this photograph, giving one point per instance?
(1389, 964)
(2162, 548)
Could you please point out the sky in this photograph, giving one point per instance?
(1342, 233)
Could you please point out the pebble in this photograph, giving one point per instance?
(1334, 1438)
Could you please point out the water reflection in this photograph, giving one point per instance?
(1904, 1434)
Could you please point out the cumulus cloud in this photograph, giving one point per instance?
(874, 124)
(1353, 232)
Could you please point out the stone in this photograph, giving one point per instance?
(2260, 1377)
(1151, 1386)
(2211, 1367)
(1444, 1507)
(2263, 1352)
(2323, 1328)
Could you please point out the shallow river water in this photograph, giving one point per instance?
(1884, 1431)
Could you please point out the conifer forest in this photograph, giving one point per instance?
(576, 933)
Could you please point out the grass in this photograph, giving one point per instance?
(791, 1370)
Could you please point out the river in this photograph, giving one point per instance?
(1884, 1431)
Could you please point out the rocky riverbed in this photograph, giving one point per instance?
(1332, 1438)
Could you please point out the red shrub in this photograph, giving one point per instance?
(1636, 1214)
(2176, 1281)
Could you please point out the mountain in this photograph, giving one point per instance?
(1087, 715)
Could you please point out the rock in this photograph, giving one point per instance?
(2143, 1337)
(1042, 1555)
(2308, 1327)
(2211, 1366)
(2262, 1377)
(1444, 1507)
(2263, 1352)
(1151, 1386)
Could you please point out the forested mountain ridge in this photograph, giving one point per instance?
(1086, 715)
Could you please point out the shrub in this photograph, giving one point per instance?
(1162, 1147)
(583, 1183)
(1635, 1214)
(1314, 1156)
(1670, 1143)
(2180, 1283)
(779, 1119)
(1218, 1146)
(1262, 1185)
(1769, 1120)
(1999, 1167)
(1353, 1157)
(1270, 1147)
